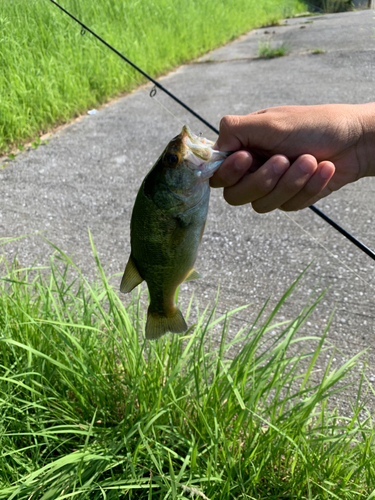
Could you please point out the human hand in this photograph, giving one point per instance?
(299, 154)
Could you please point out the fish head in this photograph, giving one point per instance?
(189, 160)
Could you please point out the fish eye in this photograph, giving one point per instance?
(172, 159)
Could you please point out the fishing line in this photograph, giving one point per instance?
(345, 233)
(151, 93)
(154, 98)
(327, 250)
(157, 85)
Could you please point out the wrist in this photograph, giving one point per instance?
(366, 144)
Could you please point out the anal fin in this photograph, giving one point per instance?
(131, 277)
(193, 275)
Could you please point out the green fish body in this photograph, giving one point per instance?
(167, 225)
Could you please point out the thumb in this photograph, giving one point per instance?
(229, 139)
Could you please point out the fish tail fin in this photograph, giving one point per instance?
(159, 324)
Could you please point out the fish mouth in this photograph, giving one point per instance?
(200, 146)
(200, 155)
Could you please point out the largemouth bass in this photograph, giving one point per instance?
(167, 225)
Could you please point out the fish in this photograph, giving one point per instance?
(167, 225)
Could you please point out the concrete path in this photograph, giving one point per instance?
(89, 173)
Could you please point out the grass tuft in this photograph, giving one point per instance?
(90, 410)
(265, 51)
(317, 51)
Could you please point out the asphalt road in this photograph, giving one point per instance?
(89, 173)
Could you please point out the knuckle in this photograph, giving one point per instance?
(228, 122)
(289, 188)
(262, 187)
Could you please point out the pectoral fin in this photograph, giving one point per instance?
(193, 275)
(131, 277)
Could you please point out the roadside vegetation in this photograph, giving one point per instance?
(317, 51)
(266, 51)
(50, 72)
(90, 410)
(330, 6)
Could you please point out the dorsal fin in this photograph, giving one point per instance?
(131, 277)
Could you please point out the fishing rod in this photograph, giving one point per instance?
(318, 212)
(156, 83)
(341, 230)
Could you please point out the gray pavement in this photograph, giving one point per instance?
(89, 173)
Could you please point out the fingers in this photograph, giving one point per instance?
(315, 189)
(278, 185)
(289, 185)
(232, 169)
(254, 186)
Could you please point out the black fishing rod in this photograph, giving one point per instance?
(156, 83)
(321, 214)
(341, 230)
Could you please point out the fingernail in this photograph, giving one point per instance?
(280, 164)
(243, 162)
(307, 165)
(326, 171)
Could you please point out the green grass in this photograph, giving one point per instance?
(266, 51)
(332, 5)
(90, 410)
(50, 73)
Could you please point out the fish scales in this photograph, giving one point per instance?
(166, 227)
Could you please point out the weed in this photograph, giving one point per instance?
(332, 5)
(90, 410)
(307, 14)
(265, 51)
(36, 143)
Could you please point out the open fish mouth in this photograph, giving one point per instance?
(200, 146)
(200, 155)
